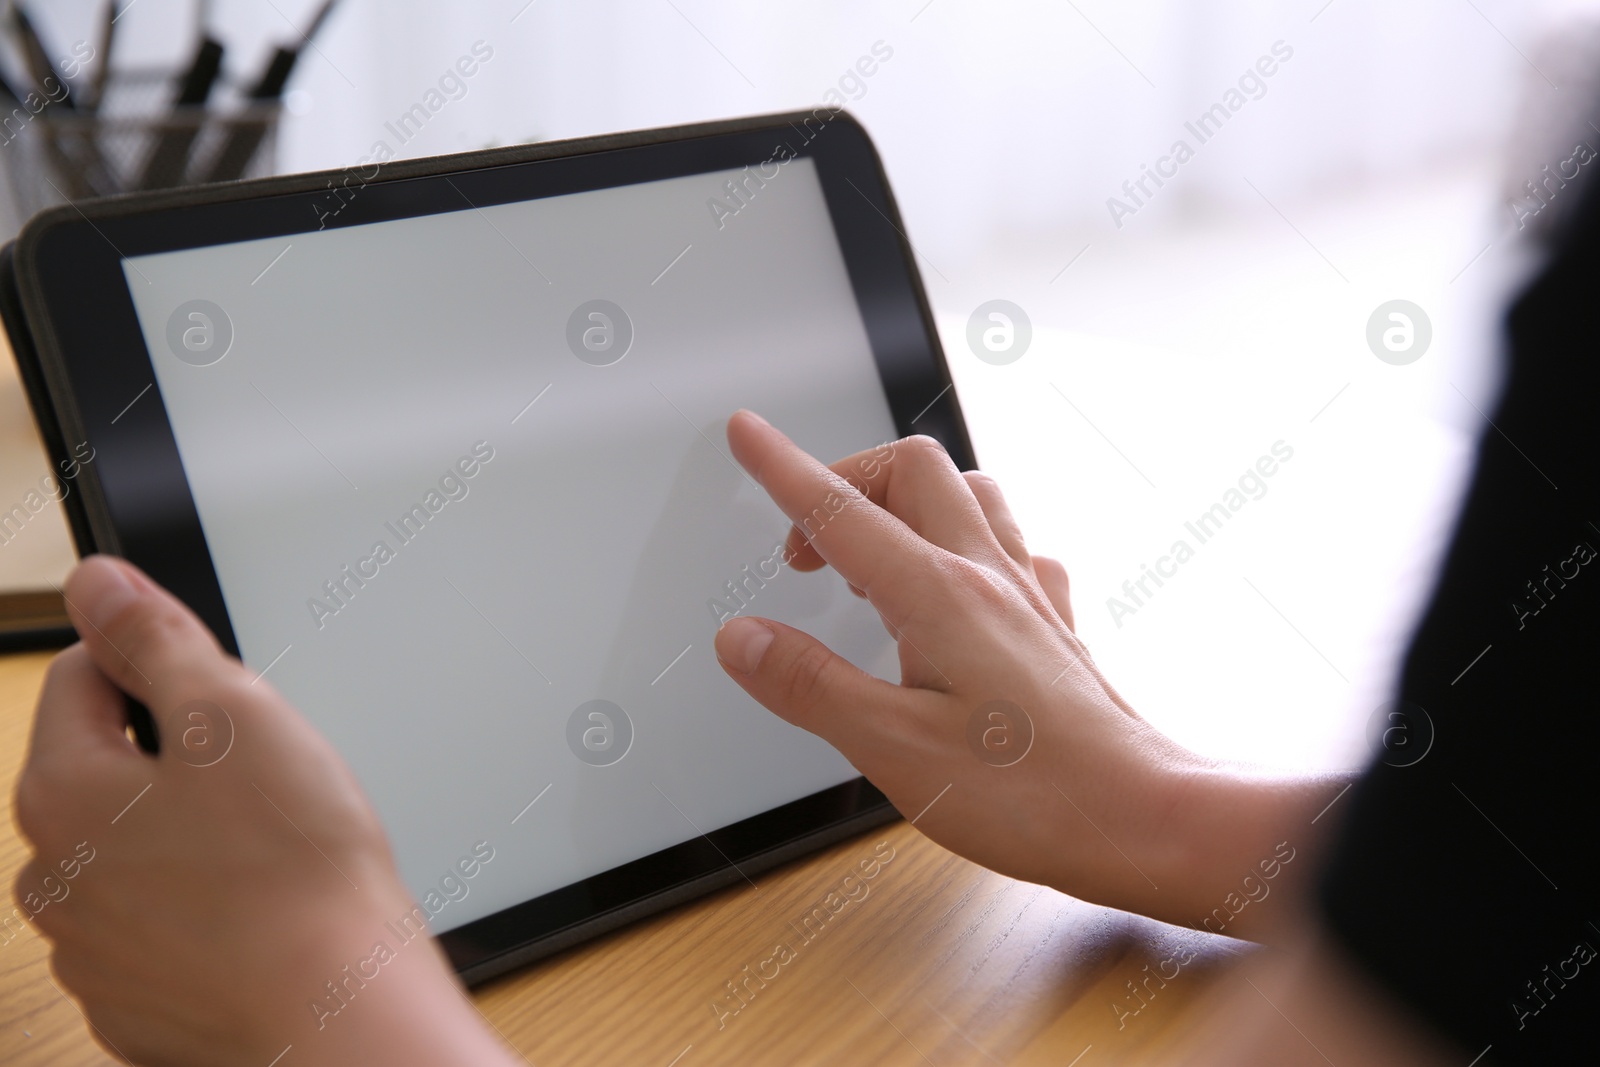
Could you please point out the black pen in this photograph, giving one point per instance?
(37, 57)
(245, 137)
(63, 166)
(97, 87)
(169, 156)
(83, 177)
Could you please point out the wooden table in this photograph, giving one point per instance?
(942, 962)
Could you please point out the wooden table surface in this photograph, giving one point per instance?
(942, 962)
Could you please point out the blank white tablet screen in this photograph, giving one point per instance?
(587, 557)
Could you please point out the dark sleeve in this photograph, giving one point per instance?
(1465, 882)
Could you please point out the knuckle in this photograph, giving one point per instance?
(982, 480)
(805, 680)
(994, 593)
(61, 664)
(151, 632)
(72, 970)
(31, 803)
(52, 921)
(36, 901)
(20, 883)
(924, 449)
(84, 974)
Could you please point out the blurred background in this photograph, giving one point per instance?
(1178, 331)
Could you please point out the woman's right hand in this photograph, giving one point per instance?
(1003, 741)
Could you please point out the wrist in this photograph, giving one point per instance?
(412, 1010)
(1240, 846)
(367, 983)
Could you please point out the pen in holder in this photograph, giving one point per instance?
(137, 137)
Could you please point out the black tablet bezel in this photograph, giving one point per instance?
(88, 373)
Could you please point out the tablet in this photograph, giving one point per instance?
(437, 447)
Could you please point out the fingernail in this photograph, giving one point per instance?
(742, 642)
(99, 589)
(755, 416)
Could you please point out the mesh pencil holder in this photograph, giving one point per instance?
(52, 152)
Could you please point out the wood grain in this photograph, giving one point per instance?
(937, 962)
(36, 550)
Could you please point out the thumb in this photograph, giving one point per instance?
(804, 682)
(142, 637)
